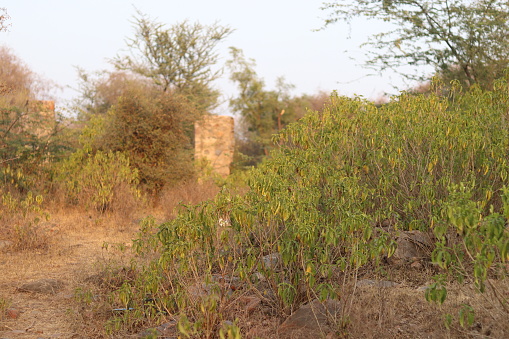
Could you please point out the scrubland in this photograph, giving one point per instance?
(319, 222)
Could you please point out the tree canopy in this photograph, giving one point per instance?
(177, 58)
(100, 90)
(463, 40)
(28, 127)
(152, 128)
(264, 112)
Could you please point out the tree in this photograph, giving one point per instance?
(30, 133)
(17, 81)
(99, 91)
(463, 40)
(152, 129)
(262, 112)
(20, 87)
(178, 58)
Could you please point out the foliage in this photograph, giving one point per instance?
(263, 112)
(410, 164)
(99, 91)
(463, 40)
(179, 58)
(483, 247)
(20, 218)
(17, 80)
(309, 221)
(94, 180)
(154, 130)
(28, 127)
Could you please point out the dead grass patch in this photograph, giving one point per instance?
(75, 250)
(402, 312)
(188, 193)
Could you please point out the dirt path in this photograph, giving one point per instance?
(76, 245)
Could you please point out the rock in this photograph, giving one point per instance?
(376, 283)
(252, 303)
(218, 284)
(5, 244)
(45, 286)
(167, 330)
(12, 313)
(416, 265)
(412, 246)
(272, 261)
(148, 333)
(423, 288)
(310, 320)
(199, 290)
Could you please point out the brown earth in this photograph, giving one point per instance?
(76, 246)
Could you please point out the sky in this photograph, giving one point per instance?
(53, 37)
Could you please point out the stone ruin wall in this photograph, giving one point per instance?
(40, 119)
(215, 142)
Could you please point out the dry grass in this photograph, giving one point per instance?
(75, 248)
(402, 312)
(87, 250)
(186, 193)
(24, 229)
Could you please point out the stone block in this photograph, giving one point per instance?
(215, 142)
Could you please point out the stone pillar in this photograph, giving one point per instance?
(215, 142)
(40, 119)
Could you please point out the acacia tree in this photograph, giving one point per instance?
(463, 40)
(178, 58)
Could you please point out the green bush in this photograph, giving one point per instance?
(154, 130)
(95, 180)
(315, 203)
(20, 218)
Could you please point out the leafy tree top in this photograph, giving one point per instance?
(463, 40)
(180, 57)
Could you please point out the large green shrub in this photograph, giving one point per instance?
(154, 130)
(313, 207)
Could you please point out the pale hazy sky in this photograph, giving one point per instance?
(54, 36)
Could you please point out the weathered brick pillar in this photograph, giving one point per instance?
(215, 142)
